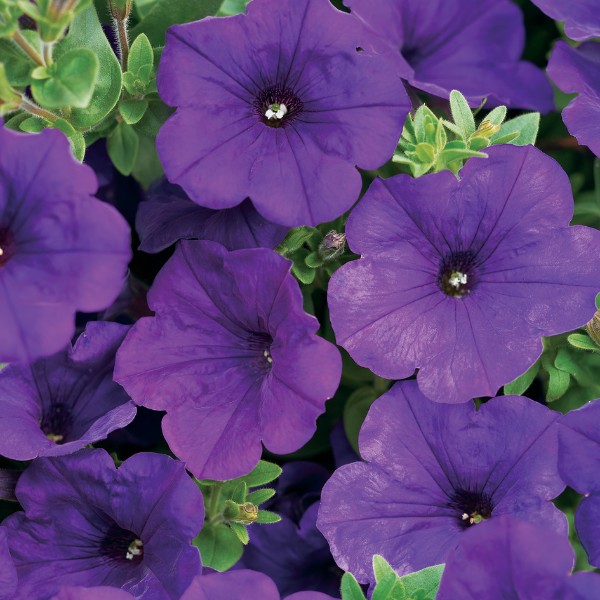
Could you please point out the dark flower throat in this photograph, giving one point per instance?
(457, 274)
(471, 507)
(275, 96)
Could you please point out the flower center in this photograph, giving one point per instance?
(471, 508)
(122, 546)
(457, 275)
(7, 245)
(259, 347)
(57, 422)
(277, 106)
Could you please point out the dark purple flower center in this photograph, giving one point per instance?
(259, 347)
(457, 274)
(122, 546)
(57, 422)
(7, 245)
(471, 507)
(277, 105)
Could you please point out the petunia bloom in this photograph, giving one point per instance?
(241, 585)
(169, 215)
(434, 471)
(509, 559)
(473, 46)
(61, 250)
(60, 404)
(87, 524)
(95, 593)
(279, 106)
(231, 356)
(463, 278)
(579, 466)
(8, 572)
(578, 70)
(294, 552)
(582, 20)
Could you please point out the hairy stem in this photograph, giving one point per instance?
(123, 39)
(32, 108)
(17, 36)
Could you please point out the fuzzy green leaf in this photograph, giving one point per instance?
(241, 532)
(32, 125)
(425, 152)
(300, 269)
(408, 132)
(122, 145)
(583, 341)
(526, 125)
(133, 110)
(389, 588)
(381, 568)
(478, 143)
(239, 493)
(263, 473)
(558, 382)
(86, 32)
(350, 588)
(427, 579)
(453, 128)
(313, 260)
(220, 548)
(461, 113)
(154, 117)
(522, 383)
(564, 361)
(70, 81)
(165, 13)
(265, 516)
(259, 496)
(140, 54)
(17, 64)
(147, 166)
(496, 116)
(295, 239)
(355, 412)
(447, 156)
(505, 139)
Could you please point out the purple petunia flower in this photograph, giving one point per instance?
(60, 404)
(8, 572)
(96, 593)
(277, 105)
(463, 278)
(61, 250)
(231, 356)
(87, 523)
(579, 466)
(434, 471)
(578, 70)
(508, 559)
(582, 20)
(294, 552)
(241, 585)
(473, 46)
(169, 215)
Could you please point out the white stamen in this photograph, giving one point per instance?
(269, 359)
(458, 279)
(1, 252)
(135, 549)
(465, 516)
(276, 110)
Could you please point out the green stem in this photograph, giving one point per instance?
(48, 53)
(28, 48)
(215, 492)
(123, 42)
(32, 108)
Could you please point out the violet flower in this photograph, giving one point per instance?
(473, 46)
(87, 524)
(293, 552)
(231, 356)
(579, 466)
(578, 70)
(169, 215)
(435, 471)
(95, 593)
(461, 279)
(508, 559)
(8, 572)
(241, 585)
(277, 105)
(61, 250)
(582, 20)
(60, 404)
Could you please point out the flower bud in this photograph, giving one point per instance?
(486, 129)
(245, 513)
(593, 328)
(332, 246)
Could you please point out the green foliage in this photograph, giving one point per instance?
(355, 411)
(423, 584)
(233, 7)
(426, 147)
(165, 13)
(147, 166)
(86, 32)
(265, 516)
(522, 383)
(75, 137)
(220, 548)
(241, 532)
(133, 110)
(122, 145)
(259, 496)
(140, 54)
(9, 99)
(67, 82)
(11, 11)
(350, 588)
(17, 64)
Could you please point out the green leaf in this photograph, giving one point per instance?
(478, 143)
(154, 117)
(263, 473)
(314, 260)
(9, 99)
(165, 13)
(220, 548)
(522, 383)
(143, 74)
(75, 137)
(389, 588)
(239, 493)
(558, 382)
(122, 145)
(133, 110)
(350, 588)
(17, 64)
(496, 116)
(32, 125)
(427, 579)
(147, 166)
(241, 532)
(526, 125)
(381, 568)
(462, 115)
(259, 496)
(453, 128)
(295, 239)
(564, 361)
(300, 269)
(232, 7)
(86, 32)
(408, 132)
(583, 341)
(425, 152)
(505, 139)
(447, 156)
(15, 121)
(140, 54)
(129, 81)
(355, 411)
(70, 83)
(265, 516)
